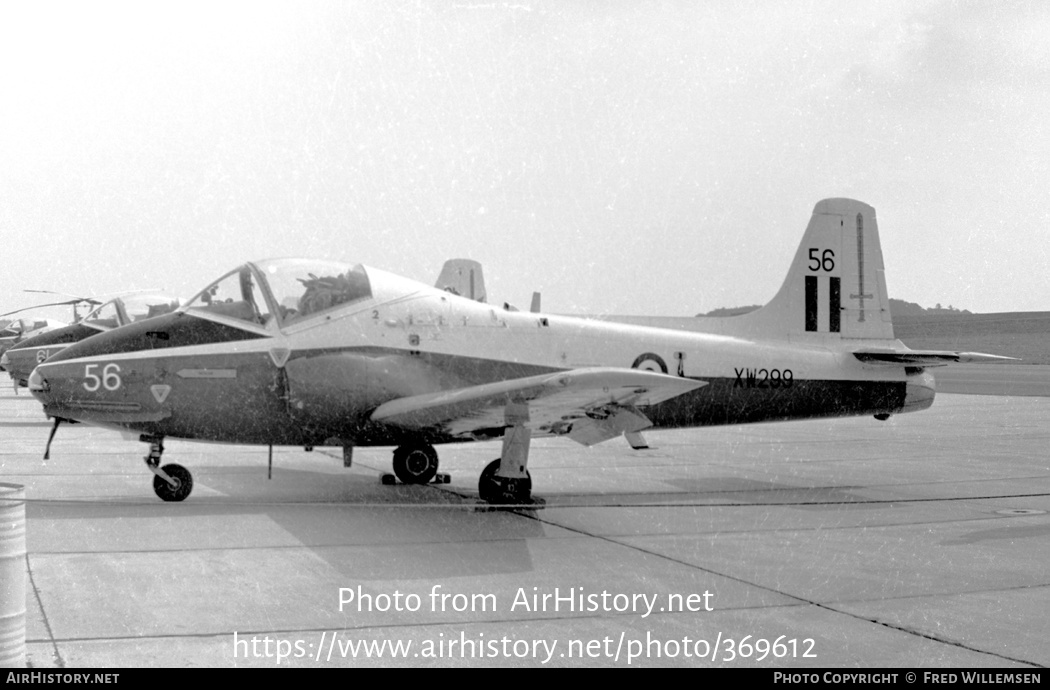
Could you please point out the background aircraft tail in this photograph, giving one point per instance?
(836, 286)
(463, 277)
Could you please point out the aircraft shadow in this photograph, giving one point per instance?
(418, 532)
(727, 491)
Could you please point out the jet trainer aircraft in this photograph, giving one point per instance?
(318, 353)
(17, 331)
(20, 360)
(22, 329)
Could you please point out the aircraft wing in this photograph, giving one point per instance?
(929, 358)
(589, 405)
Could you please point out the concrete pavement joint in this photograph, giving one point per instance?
(800, 599)
(47, 624)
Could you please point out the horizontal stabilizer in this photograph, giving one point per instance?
(556, 402)
(926, 357)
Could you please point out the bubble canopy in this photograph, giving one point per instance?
(294, 290)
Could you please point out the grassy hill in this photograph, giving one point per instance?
(1023, 334)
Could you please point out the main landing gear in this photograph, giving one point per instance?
(504, 490)
(506, 480)
(416, 464)
(172, 482)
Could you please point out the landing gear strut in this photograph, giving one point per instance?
(506, 480)
(172, 482)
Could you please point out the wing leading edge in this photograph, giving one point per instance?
(588, 405)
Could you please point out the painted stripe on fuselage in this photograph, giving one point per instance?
(811, 303)
(166, 332)
(206, 373)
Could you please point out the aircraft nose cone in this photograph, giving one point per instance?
(38, 385)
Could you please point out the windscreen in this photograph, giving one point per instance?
(104, 317)
(236, 296)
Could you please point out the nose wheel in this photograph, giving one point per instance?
(171, 482)
(183, 483)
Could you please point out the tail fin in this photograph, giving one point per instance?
(463, 277)
(836, 286)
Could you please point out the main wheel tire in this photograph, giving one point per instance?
(503, 490)
(166, 491)
(488, 487)
(415, 464)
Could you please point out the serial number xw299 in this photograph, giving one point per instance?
(763, 378)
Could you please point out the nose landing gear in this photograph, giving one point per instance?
(172, 482)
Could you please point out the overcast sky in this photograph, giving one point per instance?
(620, 157)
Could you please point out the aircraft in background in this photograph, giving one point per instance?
(74, 301)
(15, 332)
(20, 360)
(317, 353)
(462, 277)
(21, 329)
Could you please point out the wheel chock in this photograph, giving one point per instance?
(440, 478)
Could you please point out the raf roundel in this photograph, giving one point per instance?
(650, 362)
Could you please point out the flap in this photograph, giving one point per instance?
(588, 431)
(554, 403)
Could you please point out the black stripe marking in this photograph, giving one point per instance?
(811, 303)
(835, 305)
